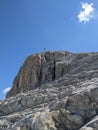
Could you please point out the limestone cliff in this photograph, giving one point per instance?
(48, 66)
(53, 91)
(39, 69)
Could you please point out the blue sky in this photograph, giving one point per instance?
(28, 26)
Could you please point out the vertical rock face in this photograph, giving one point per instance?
(48, 66)
(40, 68)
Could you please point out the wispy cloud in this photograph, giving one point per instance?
(86, 13)
(6, 90)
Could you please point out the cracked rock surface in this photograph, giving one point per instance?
(53, 91)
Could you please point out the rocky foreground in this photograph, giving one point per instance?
(53, 91)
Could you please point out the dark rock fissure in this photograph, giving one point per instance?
(53, 69)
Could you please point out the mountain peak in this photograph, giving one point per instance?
(53, 91)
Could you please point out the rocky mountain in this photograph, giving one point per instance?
(53, 91)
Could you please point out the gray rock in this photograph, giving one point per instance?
(38, 69)
(53, 91)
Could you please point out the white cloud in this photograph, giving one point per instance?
(6, 90)
(87, 12)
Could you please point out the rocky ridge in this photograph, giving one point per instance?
(53, 91)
